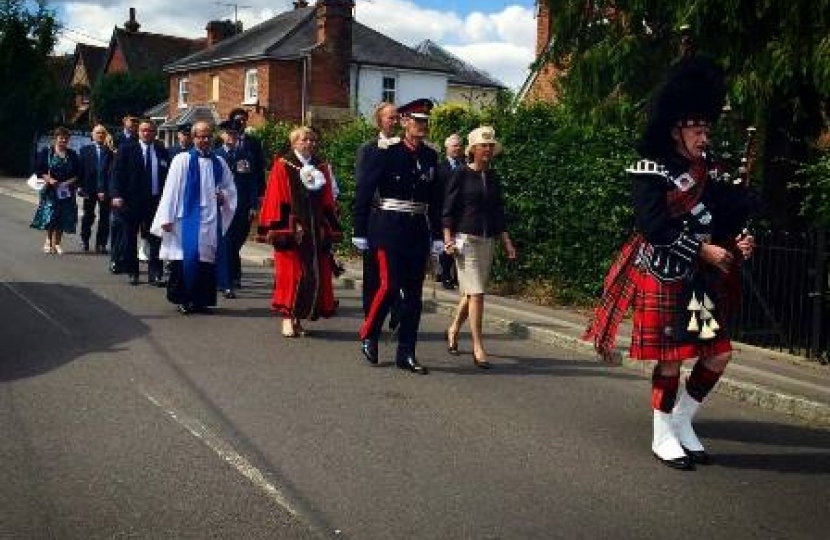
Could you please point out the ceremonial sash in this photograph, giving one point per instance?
(192, 216)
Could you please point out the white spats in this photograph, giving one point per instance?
(681, 417)
(664, 443)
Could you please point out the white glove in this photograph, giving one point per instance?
(360, 243)
(437, 247)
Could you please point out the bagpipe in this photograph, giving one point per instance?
(740, 200)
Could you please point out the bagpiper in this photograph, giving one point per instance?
(680, 269)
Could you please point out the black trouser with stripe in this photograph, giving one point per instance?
(400, 278)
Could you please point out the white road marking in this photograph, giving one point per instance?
(227, 453)
(37, 308)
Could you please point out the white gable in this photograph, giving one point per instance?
(367, 84)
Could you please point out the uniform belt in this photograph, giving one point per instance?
(397, 205)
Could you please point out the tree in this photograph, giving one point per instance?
(30, 97)
(118, 94)
(776, 52)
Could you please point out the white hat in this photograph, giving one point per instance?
(482, 135)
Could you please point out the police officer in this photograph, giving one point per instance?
(399, 229)
(239, 160)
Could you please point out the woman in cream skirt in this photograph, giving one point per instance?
(473, 218)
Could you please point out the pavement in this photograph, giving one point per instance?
(773, 380)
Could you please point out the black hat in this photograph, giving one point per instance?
(420, 108)
(692, 94)
(185, 128)
(237, 113)
(229, 126)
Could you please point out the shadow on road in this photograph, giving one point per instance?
(47, 325)
(764, 435)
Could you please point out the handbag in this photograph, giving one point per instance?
(36, 183)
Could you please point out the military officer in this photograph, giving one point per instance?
(398, 229)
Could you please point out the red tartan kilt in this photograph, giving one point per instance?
(655, 305)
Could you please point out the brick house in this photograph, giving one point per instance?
(88, 60)
(313, 63)
(540, 84)
(133, 51)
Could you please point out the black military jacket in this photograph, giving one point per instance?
(394, 171)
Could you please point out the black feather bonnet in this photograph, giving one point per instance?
(693, 93)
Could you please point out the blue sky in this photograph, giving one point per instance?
(494, 35)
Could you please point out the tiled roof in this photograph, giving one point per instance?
(60, 67)
(255, 42)
(158, 111)
(192, 115)
(463, 73)
(293, 33)
(144, 51)
(92, 58)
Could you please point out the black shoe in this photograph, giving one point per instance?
(85, 245)
(409, 363)
(369, 348)
(133, 279)
(114, 268)
(698, 457)
(481, 364)
(185, 309)
(229, 294)
(160, 282)
(447, 284)
(682, 463)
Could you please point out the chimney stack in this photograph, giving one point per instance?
(220, 30)
(132, 25)
(543, 26)
(334, 25)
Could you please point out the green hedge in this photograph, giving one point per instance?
(567, 194)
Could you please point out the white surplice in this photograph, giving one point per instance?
(171, 208)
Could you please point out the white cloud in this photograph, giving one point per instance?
(501, 43)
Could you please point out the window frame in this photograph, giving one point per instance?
(214, 88)
(248, 97)
(184, 92)
(385, 92)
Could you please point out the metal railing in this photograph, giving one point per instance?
(785, 302)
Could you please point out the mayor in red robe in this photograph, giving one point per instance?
(299, 219)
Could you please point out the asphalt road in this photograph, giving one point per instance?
(120, 418)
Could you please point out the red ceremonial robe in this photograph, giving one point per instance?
(302, 226)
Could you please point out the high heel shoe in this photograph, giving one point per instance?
(481, 364)
(288, 329)
(452, 343)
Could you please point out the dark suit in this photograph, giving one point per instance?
(122, 138)
(240, 162)
(253, 147)
(132, 182)
(447, 272)
(95, 177)
(370, 266)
